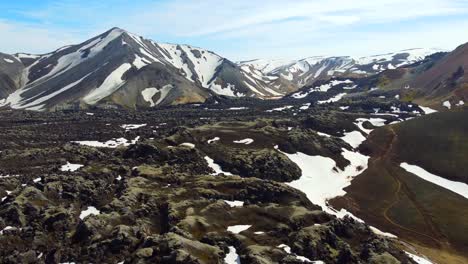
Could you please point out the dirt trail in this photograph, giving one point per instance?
(384, 161)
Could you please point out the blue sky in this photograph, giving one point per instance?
(242, 29)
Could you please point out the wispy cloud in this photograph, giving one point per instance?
(242, 28)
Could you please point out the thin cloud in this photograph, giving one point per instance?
(243, 28)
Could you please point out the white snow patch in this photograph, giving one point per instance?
(456, 187)
(37, 180)
(460, 103)
(232, 257)
(91, 210)
(70, 167)
(111, 84)
(236, 229)
(148, 94)
(228, 90)
(344, 108)
(213, 140)
(378, 122)
(132, 126)
(234, 203)
(246, 141)
(238, 108)
(8, 60)
(216, 167)
(305, 106)
(427, 110)
(113, 143)
(139, 62)
(354, 138)
(381, 233)
(7, 228)
(286, 248)
(280, 108)
(333, 99)
(323, 134)
(188, 145)
(447, 104)
(321, 180)
(418, 259)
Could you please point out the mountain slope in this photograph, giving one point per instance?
(11, 77)
(447, 79)
(91, 72)
(306, 71)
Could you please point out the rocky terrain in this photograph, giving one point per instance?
(211, 183)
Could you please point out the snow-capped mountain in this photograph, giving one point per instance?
(308, 70)
(121, 68)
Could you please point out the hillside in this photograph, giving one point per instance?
(124, 69)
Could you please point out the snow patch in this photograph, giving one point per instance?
(132, 126)
(354, 138)
(333, 99)
(91, 210)
(71, 167)
(246, 141)
(236, 229)
(427, 110)
(456, 187)
(280, 108)
(234, 203)
(113, 143)
(232, 257)
(111, 84)
(447, 104)
(213, 140)
(418, 259)
(321, 180)
(216, 167)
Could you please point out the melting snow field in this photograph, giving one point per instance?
(111, 84)
(232, 257)
(238, 228)
(246, 141)
(456, 187)
(419, 260)
(377, 122)
(215, 167)
(321, 180)
(71, 167)
(354, 138)
(91, 210)
(113, 143)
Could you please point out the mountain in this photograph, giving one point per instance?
(120, 68)
(308, 70)
(439, 81)
(446, 80)
(11, 77)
